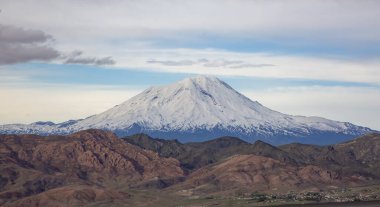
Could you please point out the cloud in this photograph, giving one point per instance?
(18, 45)
(247, 65)
(216, 63)
(12, 34)
(263, 65)
(347, 23)
(171, 62)
(222, 63)
(77, 58)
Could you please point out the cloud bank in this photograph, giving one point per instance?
(216, 63)
(344, 23)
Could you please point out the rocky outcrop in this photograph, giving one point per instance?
(199, 154)
(33, 164)
(250, 173)
(359, 157)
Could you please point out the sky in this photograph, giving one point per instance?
(70, 59)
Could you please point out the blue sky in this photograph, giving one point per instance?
(315, 58)
(46, 73)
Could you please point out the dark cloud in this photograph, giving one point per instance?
(18, 45)
(217, 63)
(11, 54)
(11, 34)
(76, 57)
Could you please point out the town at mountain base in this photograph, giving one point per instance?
(95, 168)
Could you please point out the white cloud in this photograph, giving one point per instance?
(345, 19)
(281, 66)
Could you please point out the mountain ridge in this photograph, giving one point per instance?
(198, 154)
(224, 165)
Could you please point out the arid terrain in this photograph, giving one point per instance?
(96, 168)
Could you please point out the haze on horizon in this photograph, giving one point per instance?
(62, 60)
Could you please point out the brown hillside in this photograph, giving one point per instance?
(250, 173)
(33, 164)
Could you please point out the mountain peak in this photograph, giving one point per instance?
(201, 79)
(202, 83)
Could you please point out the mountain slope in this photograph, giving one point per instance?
(359, 156)
(250, 173)
(351, 163)
(92, 163)
(200, 108)
(198, 154)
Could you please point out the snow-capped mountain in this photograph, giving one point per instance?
(200, 108)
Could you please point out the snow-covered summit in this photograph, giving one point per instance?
(204, 107)
(200, 101)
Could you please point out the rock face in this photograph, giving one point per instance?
(228, 164)
(33, 164)
(201, 108)
(198, 154)
(256, 173)
(360, 156)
